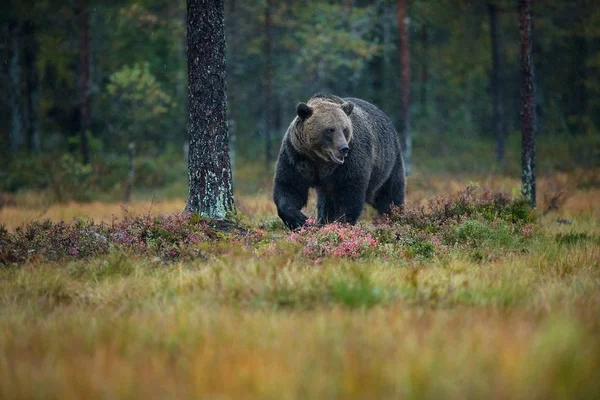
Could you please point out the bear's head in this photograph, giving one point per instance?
(323, 130)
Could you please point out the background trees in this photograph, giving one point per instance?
(464, 59)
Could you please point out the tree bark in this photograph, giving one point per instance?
(268, 85)
(424, 71)
(84, 78)
(232, 90)
(31, 102)
(376, 64)
(210, 181)
(527, 103)
(403, 47)
(16, 94)
(497, 84)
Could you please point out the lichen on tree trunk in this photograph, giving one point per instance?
(210, 181)
(527, 104)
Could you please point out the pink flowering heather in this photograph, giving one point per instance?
(527, 230)
(337, 240)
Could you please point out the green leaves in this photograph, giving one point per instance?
(138, 103)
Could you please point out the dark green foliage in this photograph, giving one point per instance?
(420, 248)
(103, 179)
(359, 293)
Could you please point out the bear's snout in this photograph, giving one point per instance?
(344, 149)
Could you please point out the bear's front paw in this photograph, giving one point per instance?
(294, 220)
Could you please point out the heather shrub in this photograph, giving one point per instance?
(334, 240)
(169, 237)
(478, 220)
(471, 203)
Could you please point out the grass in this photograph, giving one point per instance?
(481, 307)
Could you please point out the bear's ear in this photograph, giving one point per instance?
(348, 107)
(304, 111)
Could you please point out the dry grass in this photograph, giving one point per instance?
(238, 325)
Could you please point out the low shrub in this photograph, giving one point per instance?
(169, 237)
(337, 240)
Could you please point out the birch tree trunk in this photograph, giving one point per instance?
(527, 103)
(404, 49)
(210, 181)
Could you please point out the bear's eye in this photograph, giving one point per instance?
(330, 130)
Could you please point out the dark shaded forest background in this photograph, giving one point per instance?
(82, 80)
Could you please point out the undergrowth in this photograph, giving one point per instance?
(482, 223)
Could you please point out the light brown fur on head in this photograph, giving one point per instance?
(322, 128)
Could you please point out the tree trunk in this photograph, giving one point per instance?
(232, 90)
(497, 84)
(84, 78)
(403, 47)
(31, 104)
(376, 64)
(210, 181)
(527, 103)
(130, 174)
(268, 85)
(424, 70)
(16, 95)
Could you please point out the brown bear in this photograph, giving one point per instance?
(348, 150)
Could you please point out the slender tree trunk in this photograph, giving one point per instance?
(376, 64)
(424, 70)
(16, 94)
(403, 41)
(210, 181)
(268, 84)
(130, 174)
(527, 103)
(32, 100)
(84, 78)
(497, 84)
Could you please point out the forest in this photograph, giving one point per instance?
(143, 253)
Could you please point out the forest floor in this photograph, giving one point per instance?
(471, 296)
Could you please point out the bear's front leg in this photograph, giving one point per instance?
(289, 200)
(325, 209)
(350, 203)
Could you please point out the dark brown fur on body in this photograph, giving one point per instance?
(313, 154)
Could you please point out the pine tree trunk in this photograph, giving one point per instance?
(527, 103)
(376, 64)
(268, 85)
(424, 71)
(403, 42)
(32, 100)
(16, 94)
(497, 83)
(210, 181)
(84, 78)
(232, 89)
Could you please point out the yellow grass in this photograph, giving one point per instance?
(256, 207)
(240, 325)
